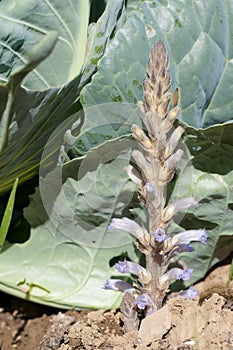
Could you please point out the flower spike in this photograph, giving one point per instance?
(156, 157)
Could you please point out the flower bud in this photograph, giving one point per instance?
(141, 107)
(173, 141)
(141, 137)
(173, 160)
(142, 162)
(134, 175)
(171, 117)
(168, 213)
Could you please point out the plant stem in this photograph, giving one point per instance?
(153, 265)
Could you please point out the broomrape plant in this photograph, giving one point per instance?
(156, 163)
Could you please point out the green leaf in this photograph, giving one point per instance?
(35, 116)
(105, 122)
(100, 32)
(70, 254)
(7, 215)
(211, 148)
(69, 275)
(39, 53)
(194, 34)
(35, 213)
(133, 4)
(24, 25)
(30, 117)
(215, 195)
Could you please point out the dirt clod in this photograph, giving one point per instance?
(57, 332)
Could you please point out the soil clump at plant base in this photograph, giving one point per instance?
(205, 324)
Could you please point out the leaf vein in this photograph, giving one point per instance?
(61, 21)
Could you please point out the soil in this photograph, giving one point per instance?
(205, 323)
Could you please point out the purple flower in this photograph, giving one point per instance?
(127, 225)
(188, 236)
(176, 274)
(129, 267)
(117, 284)
(189, 293)
(181, 248)
(134, 268)
(159, 235)
(143, 301)
(184, 274)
